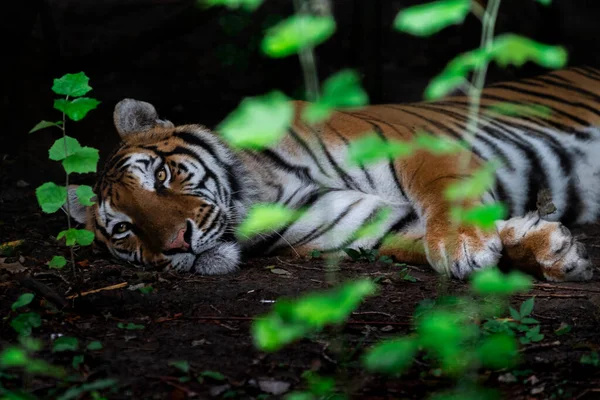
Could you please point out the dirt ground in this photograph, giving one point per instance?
(206, 320)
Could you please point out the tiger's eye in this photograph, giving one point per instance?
(161, 175)
(121, 228)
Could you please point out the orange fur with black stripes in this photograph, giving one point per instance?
(173, 196)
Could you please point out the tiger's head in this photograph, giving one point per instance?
(168, 197)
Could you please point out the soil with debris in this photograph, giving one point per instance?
(206, 321)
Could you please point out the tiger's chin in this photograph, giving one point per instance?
(224, 258)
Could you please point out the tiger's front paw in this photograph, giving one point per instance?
(461, 251)
(223, 258)
(543, 248)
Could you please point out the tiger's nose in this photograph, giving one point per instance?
(180, 241)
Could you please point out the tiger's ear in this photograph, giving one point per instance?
(79, 212)
(133, 116)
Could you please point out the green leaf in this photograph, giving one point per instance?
(353, 254)
(83, 161)
(77, 361)
(492, 281)
(521, 110)
(296, 33)
(341, 90)
(445, 333)
(85, 194)
(474, 186)
(45, 124)
(217, 376)
(76, 109)
(483, 216)
(591, 359)
(511, 49)
(57, 151)
(514, 314)
(437, 145)
(374, 226)
(321, 387)
(372, 148)
(146, 289)
(13, 357)
(455, 73)
(498, 351)
(65, 343)
(391, 356)
(181, 365)
(427, 19)
(266, 217)
(51, 197)
(57, 262)
(248, 5)
(258, 122)
(73, 85)
(24, 323)
(527, 307)
(23, 300)
(130, 326)
(31, 344)
(563, 329)
(291, 320)
(544, 2)
(95, 345)
(74, 236)
(443, 85)
(75, 392)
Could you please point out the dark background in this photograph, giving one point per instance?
(196, 64)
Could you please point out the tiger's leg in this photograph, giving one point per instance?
(544, 249)
(450, 249)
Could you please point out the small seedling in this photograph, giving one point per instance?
(368, 255)
(74, 158)
(314, 254)
(405, 275)
(65, 343)
(95, 345)
(146, 289)
(563, 329)
(590, 359)
(130, 326)
(520, 322)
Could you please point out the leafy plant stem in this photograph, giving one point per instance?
(308, 64)
(474, 93)
(68, 206)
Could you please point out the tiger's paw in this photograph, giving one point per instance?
(223, 258)
(460, 252)
(544, 249)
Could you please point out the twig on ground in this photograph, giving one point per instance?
(111, 287)
(541, 346)
(374, 312)
(571, 296)
(169, 381)
(45, 291)
(560, 287)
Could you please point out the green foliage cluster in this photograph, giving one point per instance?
(74, 157)
(449, 334)
(521, 323)
(22, 357)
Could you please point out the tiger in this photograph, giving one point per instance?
(172, 197)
